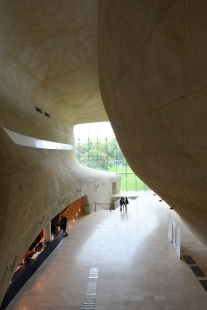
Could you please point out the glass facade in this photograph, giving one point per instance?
(97, 148)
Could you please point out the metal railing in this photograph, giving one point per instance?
(101, 205)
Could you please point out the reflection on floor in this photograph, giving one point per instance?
(136, 265)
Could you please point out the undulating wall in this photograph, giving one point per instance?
(37, 184)
(152, 64)
(47, 62)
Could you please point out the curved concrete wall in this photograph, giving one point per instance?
(36, 183)
(152, 74)
(47, 60)
(152, 68)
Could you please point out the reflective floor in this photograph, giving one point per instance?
(120, 261)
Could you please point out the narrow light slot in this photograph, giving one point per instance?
(89, 304)
(93, 273)
(91, 288)
(38, 110)
(47, 114)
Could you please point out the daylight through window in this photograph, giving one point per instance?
(97, 148)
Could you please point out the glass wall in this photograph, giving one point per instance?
(97, 148)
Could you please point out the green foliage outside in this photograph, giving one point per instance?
(106, 155)
(129, 181)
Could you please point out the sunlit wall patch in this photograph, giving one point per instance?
(37, 143)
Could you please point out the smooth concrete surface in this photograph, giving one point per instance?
(40, 190)
(152, 65)
(152, 76)
(48, 59)
(48, 83)
(138, 266)
(39, 182)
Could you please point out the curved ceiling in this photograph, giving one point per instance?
(48, 57)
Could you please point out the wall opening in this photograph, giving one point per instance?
(97, 148)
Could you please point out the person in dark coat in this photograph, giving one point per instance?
(122, 203)
(126, 202)
(63, 225)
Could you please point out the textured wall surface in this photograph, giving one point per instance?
(152, 72)
(48, 60)
(152, 64)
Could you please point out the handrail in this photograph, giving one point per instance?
(102, 203)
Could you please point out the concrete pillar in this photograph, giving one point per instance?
(47, 232)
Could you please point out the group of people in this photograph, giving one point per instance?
(123, 203)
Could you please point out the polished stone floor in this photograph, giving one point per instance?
(137, 266)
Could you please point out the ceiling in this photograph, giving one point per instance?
(48, 57)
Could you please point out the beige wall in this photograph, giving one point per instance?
(152, 75)
(152, 64)
(34, 183)
(47, 60)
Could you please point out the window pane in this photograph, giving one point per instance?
(119, 152)
(97, 148)
(102, 146)
(121, 164)
(128, 168)
(82, 148)
(112, 164)
(101, 130)
(102, 163)
(84, 161)
(131, 182)
(93, 162)
(123, 182)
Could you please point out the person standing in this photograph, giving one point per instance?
(126, 202)
(63, 225)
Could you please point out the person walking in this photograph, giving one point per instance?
(122, 203)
